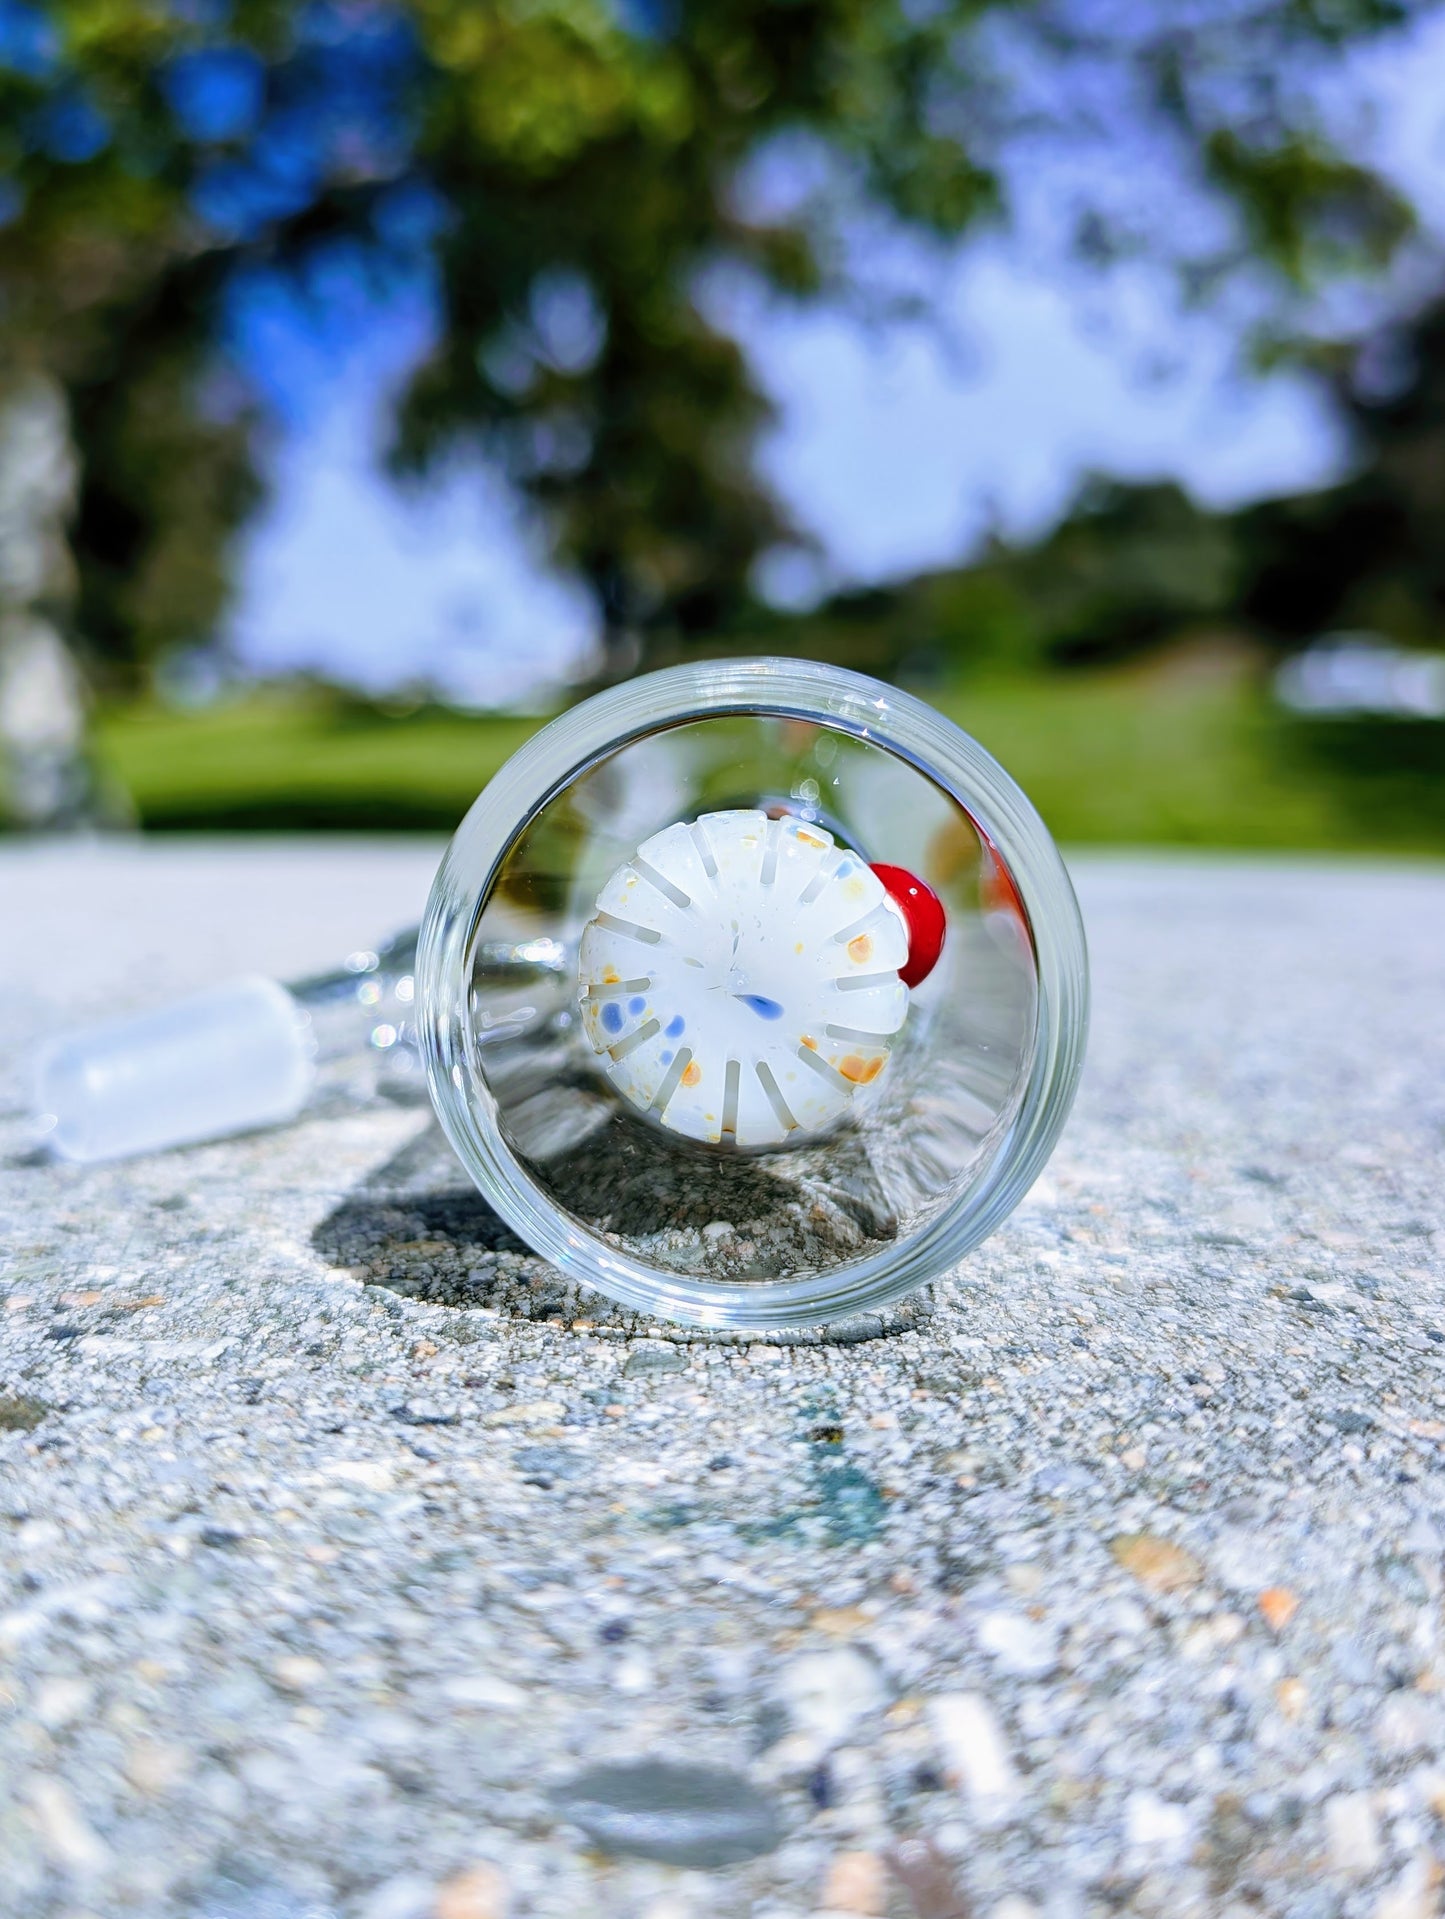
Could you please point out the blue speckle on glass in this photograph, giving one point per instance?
(612, 1016)
(675, 1025)
(636, 1005)
(765, 1008)
(843, 869)
(667, 1057)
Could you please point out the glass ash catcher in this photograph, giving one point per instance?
(751, 994)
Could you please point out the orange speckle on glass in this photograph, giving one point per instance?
(810, 839)
(861, 1071)
(611, 977)
(952, 851)
(799, 947)
(810, 1042)
(997, 890)
(860, 949)
(693, 1074)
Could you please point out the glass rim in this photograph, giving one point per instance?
(846, 702)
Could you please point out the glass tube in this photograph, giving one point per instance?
(981, 1076)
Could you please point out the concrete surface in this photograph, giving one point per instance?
(346, 1573)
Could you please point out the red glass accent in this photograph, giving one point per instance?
(923, 915)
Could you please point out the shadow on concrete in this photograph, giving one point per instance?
(418, 1227)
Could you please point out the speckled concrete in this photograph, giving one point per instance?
(344, 1548)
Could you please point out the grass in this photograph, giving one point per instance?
(1108, 762)
(293, 760)
(1172, 754)
(1158, 756)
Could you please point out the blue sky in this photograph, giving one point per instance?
(897, 448)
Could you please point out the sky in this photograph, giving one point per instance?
(897, 448)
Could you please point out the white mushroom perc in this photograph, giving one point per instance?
(739, 980)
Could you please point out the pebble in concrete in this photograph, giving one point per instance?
(681, 1815)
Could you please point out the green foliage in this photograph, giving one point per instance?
(593, 167)
(1369, 552)
(981, 617)
(1308, 210)
(167, 478)
(1132, 566)
(1128, 566)
(104, 285)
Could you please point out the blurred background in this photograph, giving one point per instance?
(377, 378)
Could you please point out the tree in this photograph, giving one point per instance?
(1131, 565)
(1369, 552)
(569, 172)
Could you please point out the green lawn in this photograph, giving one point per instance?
(1112, 760)
(1118, 758)
(302, 760)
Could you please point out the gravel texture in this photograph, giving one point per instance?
(352, 1566)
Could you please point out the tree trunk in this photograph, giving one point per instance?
(45, 778)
